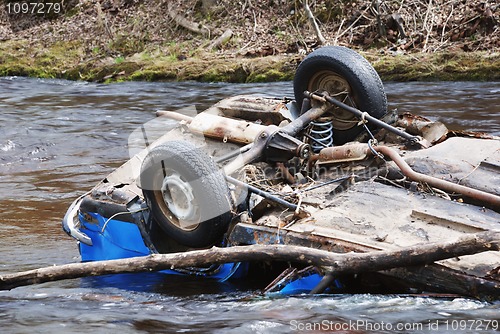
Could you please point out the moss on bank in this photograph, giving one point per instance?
(460, 66)
(65, 60)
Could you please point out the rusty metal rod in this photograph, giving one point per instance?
(261, 193)
(234, 153)
(476, 194)
(174, 115)
(303, 120)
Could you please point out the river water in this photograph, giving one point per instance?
(58, 138)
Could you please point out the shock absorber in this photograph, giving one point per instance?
(321, 134)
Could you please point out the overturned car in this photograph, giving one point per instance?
(331, 169)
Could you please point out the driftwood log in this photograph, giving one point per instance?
(222, 39)
(185, 23)
(346, 263)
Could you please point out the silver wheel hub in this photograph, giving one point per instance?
(178, 196)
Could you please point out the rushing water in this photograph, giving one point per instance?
(58, 138)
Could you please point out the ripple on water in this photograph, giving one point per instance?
(8, 146)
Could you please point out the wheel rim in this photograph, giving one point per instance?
(177, 202)
(338, 88)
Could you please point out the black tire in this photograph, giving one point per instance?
(338, 69)
(186, 193)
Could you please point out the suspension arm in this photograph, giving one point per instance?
(365, 116)
(269, 140)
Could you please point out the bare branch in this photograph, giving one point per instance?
(348, 263)
(314, 24)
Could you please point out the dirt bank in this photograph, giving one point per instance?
(247, 41)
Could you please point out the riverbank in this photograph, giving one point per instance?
(63, 61)
(108, 41)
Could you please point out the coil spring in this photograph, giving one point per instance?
(322, 134)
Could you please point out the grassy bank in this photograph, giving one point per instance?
(64, 60)
(108, 41)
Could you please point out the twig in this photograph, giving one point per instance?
(338, 30)
(314, 24)
(243, 47)
(299, 35)
(475, 168)
(464, 23)
(355, 21)
(381, 29)
(446, 23)
(254, 22)
(429, 30)
(103, 21)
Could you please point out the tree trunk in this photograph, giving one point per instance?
(347, 263)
